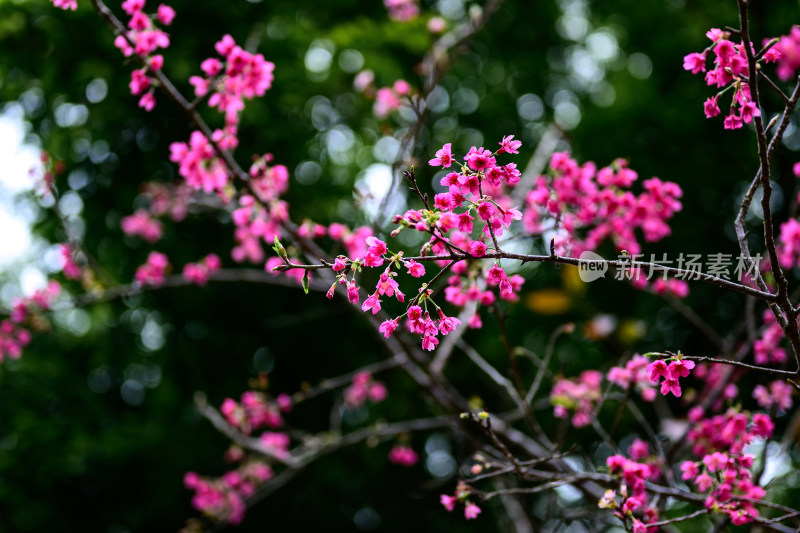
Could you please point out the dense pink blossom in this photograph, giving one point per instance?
(199, 272)
(154, 270)
(362, 389)
(198, 163)
(788, 52)
(142, 224)
(402, 10)
(579, 395)
(591, 212)
(634, 374)
(778, 394)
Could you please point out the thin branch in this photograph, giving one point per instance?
(755, 368)
(610, 263)
(178, 280)
(548, 354)
(243, 441)
(345, 379)
(774, 87)
(683, 518)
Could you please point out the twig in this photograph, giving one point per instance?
(683, 518)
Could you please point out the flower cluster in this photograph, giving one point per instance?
(161, 199)
(364, 388)
(167, 199)
(45, 180)
(777, 394)
(254, 411)
(199, 163)
(469, 217)
(788, 48)
(731, 71)
(789, 244)
(634, 375)
(70, 268)
(15, 331)
(276, 443)
(660, 286)
(588, 206)
(13, 338)
(712, 375)
(143, 39)
(766, 349)
(418, 316)
(678, 368)
(724, 470)
(354, 241)
(198, 273)
(223, 498)
(143, 225)
(41, 300)
(402, 10)
(675, 287)
(461, 496)
(419, 322)
(153, 272)
(729, 432)
(389, 99)
(633, 476)
(255, 222)
(577, 395)
(236, 77)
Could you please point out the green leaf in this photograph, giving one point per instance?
(279, 249)
(305, 281)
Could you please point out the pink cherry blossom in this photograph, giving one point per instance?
(449, 502)
(414, 268)
(471, 511)
(444, 157)
(371, 303)
(710, 107)
(509, 146)
(388, 327)
(165, 14)
(695, 62)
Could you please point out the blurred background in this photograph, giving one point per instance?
(97, 422)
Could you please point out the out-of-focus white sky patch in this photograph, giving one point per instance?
(19, 171)
(373, 185)
(778, 461)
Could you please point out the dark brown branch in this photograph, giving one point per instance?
(613, 263)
